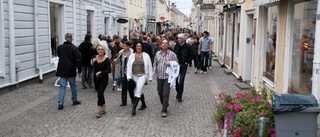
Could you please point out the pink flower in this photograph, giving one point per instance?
(269, 106)
(261, 113)
(239, 96)
(228, 127)
(258, 98)
(220, 121)
(273, 135)
(239, 130)
(229, 105)
(273, 130)
(269, 130)
(230, 114)
(237, 107)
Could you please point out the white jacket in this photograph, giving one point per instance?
(173, 72)
(147, 65)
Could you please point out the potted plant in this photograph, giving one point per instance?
(240, 114)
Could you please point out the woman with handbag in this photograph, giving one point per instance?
(120, 72)
(139, 68)
(102, 68)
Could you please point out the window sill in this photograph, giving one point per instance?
(265, 81)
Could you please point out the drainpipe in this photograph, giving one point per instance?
(12, 57)
(316, 60)
(110, 33)
(74, 23)
(36, 41)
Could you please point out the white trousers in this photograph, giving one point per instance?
(139, 85)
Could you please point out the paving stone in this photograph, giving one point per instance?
(242, 86)
(228, 71)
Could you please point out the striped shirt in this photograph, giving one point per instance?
(159, 68)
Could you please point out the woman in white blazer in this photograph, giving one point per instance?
(139, 68)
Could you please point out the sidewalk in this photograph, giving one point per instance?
(32, 110)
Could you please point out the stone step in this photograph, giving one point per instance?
(242, 86)
(228, 71)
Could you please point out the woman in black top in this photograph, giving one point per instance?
(102, 68)
(196, 57)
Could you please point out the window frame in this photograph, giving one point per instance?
(266, 81)
(2, 42)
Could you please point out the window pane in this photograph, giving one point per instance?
(303, 31)
(221, 28)
(271, 41)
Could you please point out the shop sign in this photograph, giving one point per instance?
(122, 20)
(208, 17)
(207, 7)
(151, 20)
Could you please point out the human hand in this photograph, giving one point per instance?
(94, 60)
(79, 75)
(98, 74)
(167, 63)
(198, 52)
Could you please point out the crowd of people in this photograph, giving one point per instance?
(133, 62)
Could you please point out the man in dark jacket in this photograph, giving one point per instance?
(69, 61)
(147, 48)
(184, 53)
(86, 55)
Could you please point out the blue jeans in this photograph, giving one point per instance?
(204, 66)
(180, 83)
(87, 75)
(210, 60)
(63, 86)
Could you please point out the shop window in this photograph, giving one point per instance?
(237, 35)
(221, 31)
(302, 50)
(270, 43)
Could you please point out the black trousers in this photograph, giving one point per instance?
(100, 85)
(125, 91)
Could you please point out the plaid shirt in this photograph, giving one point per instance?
(158, 65)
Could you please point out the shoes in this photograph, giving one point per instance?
(60, 107)
(205, 72)
(76, 103)
(122, 104)
(98, 115)
(102, 112)
(210, 67)
(201, 71)
(114, 86)
(84, 88)
(119, 89)
(164, 114)
(179, 100)
(90, 86)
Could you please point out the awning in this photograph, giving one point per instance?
(263, 2)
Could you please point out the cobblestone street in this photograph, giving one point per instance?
(32, 110)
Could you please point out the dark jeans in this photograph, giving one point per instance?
(100, 85)
(86, 75)
(164, 92)
(125, 90)
(196, 61)
(205, 65)
(180, 80)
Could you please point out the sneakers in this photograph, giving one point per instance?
(60, 107)
(119, 89)
(205, 72)
(164, 114)
(114, 86)
(201, 71)
(210, 67)
(76, 103)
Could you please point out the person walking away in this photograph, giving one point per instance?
(147, 48)
(139, 68)
(195, 47)
(122, 61)
(69, 62)
(116, 48)
(124, 39)
(86, 56)
(204, 51)
(102, 68)
(162, 60)
(184, 53)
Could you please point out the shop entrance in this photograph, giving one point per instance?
(248, 54)
(56, 27)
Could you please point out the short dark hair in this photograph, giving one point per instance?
(144, 38)
(206, 32)
(134, 46)
(103, 37)
(128, 43)
(99, 37)
(88, 37)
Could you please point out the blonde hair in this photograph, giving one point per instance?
(96, 43)
(104, 48)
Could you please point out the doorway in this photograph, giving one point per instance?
(90, 22)
(248, 59)
(56, 27)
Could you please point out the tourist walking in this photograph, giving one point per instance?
(163, 59)
(102, 68)
(204, 51)
(195, 47)
(69, 62)
(185, 54)
(86, 55)
(139, 68)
